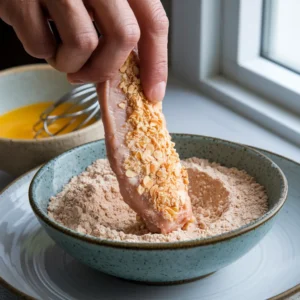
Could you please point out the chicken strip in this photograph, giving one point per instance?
(140, 151)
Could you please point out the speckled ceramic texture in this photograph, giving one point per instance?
(160, 262)
(25, 85)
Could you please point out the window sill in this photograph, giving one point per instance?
(267, 78)
(267, 114)
(188, 111)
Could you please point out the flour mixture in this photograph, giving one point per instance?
(223, 199)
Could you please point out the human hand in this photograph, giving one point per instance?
(81, 54)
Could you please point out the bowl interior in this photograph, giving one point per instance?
(54, 175)
(31, 84)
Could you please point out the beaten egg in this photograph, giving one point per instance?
(18, 123)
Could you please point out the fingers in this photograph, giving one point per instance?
(120, 34)
(77, 32)
(31, 27)
(81, 53)
(153, 49)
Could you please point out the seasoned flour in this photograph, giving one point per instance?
(223, 199)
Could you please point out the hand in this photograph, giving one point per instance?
(86, 58)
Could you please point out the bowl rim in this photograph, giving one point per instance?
(39, 67)
(163, 245)
(25, 68)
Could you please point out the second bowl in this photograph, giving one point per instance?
(21, 86)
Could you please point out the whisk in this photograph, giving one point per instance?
(84, 104)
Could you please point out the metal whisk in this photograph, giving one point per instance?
(84, 103)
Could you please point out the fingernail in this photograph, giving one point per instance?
(157, 93)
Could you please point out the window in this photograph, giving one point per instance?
(280, 39)
(236, 55)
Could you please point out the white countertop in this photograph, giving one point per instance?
(187, 111)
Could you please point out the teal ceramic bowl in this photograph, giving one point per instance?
(161, 263)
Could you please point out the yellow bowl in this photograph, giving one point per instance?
(30, 84)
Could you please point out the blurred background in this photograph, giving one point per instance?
(12, 52)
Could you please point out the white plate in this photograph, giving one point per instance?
(32, 265)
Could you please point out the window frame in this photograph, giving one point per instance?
(242, 60)
(266, 48)
(224, 61)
